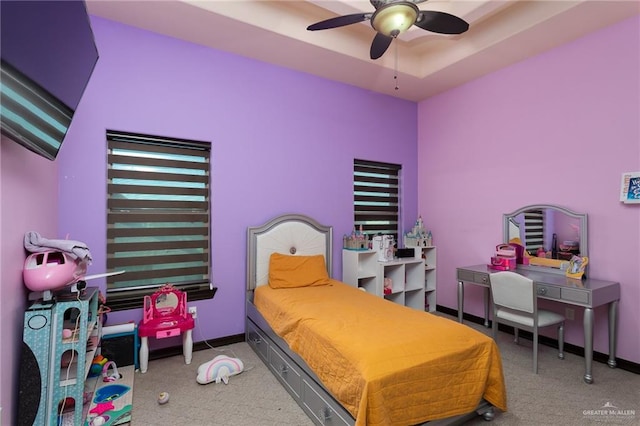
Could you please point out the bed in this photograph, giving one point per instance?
(351, 358)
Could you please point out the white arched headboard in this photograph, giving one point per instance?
(291, 234)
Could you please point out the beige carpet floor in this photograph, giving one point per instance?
(557, 395)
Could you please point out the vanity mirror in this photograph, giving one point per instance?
(167, 302)
(557, 232)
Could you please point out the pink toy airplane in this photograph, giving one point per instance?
(54, 270)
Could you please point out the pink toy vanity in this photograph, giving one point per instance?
(165, 315)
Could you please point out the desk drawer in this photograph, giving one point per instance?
(548, 291)
(573, 295)
(473, 277)
(464, 275)
(481, 278)
(167, 333)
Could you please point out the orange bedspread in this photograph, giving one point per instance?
(385, 363)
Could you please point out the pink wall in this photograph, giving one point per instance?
(559, 128)
(29, 193)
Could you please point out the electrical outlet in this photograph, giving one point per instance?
(193, 311)
(570, 314)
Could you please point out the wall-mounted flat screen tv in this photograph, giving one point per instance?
(48, 55)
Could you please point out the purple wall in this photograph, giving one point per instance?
(559, 128)
(29, 192)
(282, 142)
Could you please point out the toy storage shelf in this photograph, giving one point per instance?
(428, 253)
(65, 361)
(69, 376)
(363, 270)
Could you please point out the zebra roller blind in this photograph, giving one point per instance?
(158, 216)
(376, 197)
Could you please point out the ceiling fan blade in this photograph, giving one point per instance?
(441, 22)
(339, 21)
(380, 45)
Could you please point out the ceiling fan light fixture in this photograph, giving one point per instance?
(394, 18)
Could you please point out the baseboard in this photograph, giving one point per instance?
(197, 346)
(572, 349)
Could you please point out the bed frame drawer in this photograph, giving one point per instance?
(323, 412)
(258, 342)
(289, 375)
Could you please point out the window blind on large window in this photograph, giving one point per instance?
(376, 197)
(157, 217)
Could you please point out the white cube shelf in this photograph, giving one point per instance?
(362, 269)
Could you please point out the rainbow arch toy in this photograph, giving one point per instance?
(219, 369)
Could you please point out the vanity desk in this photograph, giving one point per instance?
(550, 283)
(587, 293)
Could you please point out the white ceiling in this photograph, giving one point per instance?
(501, 33)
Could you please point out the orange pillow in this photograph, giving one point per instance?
(297, 271)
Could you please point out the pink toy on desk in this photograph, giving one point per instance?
(505, 258)
(165, 315)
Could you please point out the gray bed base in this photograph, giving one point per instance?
(305, 387)
(291, 234)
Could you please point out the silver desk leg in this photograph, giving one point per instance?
(460, 301)
(486, 307)
(588, 344)
(613, 333)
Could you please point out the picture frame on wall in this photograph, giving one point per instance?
(630, 188)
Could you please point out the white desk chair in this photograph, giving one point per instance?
(515, 303)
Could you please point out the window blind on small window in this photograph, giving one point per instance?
(534, 230)
(157, 216)
(376, 197)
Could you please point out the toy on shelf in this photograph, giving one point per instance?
(419, 236)
(388, 286)
(53, 264)
(52, 270)
(56, 266)
(96, 365)
(358, 240)
(106, 377)
(103, 309)
(576, 268)
(385, 246)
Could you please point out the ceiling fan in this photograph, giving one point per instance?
(392, 17)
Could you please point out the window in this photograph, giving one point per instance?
(157, 217)
(376, 197)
